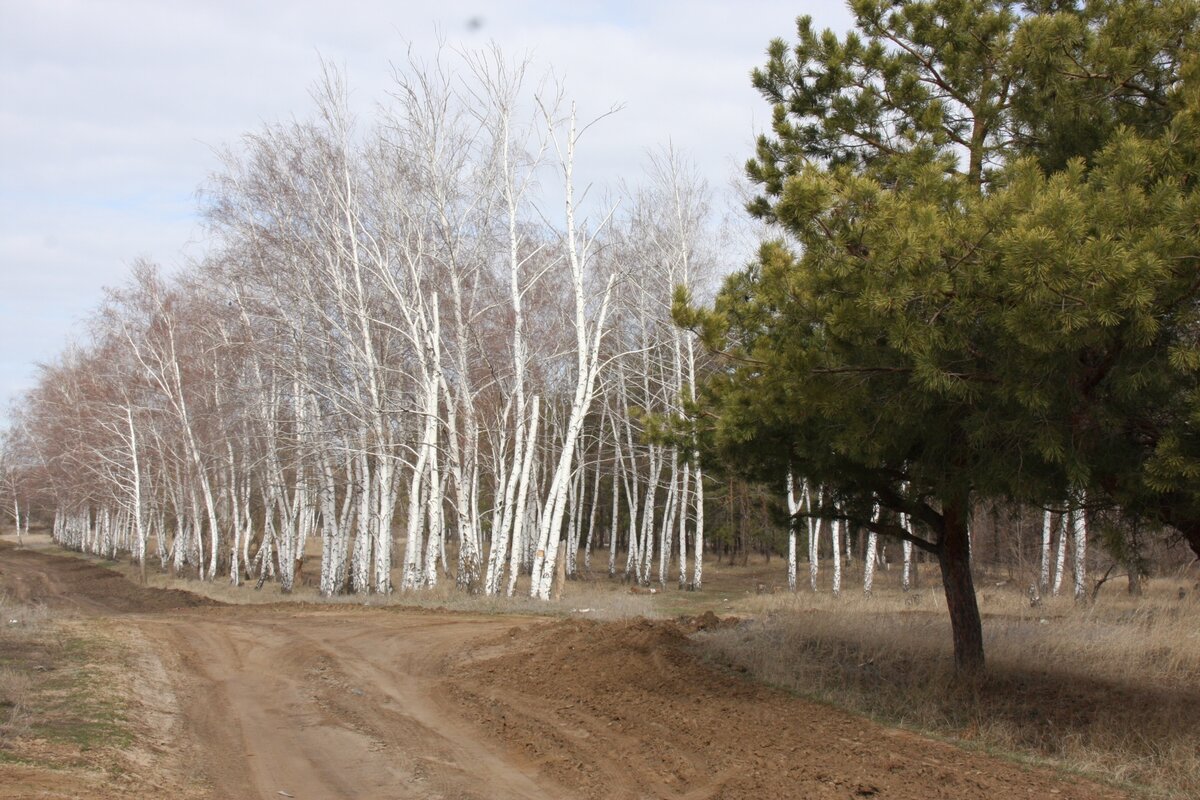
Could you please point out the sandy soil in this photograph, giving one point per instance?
(306, 701)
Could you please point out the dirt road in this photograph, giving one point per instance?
(322, 702)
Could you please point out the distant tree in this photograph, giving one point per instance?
(10, 482)
(983, 207)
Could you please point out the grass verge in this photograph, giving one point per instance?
(1111, 691)
(64, 725)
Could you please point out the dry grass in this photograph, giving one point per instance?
(64, 731)
(599, 599)
(1110, 689)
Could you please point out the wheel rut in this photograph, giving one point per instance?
(339, 701)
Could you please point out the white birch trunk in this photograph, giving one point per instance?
(360, 561)
(698, 574)
(435, 541)
(906, 574)
(1061, 560)
(523, 484)
(587, 367)
(664, 537)
(591, 527)
(614, 520)
(1079, 562)
(1044, 573)
(140, 532)
(683, 519)
(793, 510)
(869, 564)
(814, 541)
(574, 510)
(836, 532)
(235, 511)
(414, 575)
(646, 546)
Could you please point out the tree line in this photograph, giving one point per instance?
(417, 325)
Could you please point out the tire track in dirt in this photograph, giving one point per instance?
(349, 702)
(330, 704)
(318, 702)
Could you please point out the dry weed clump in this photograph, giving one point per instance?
(14, 693)
(19, 627)
(1111, 689)
(15, 683)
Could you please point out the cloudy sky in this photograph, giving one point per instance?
(110, 111)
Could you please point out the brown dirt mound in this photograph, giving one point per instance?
(626, 710)
(708, 621)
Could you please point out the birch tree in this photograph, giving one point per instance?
(588, 337)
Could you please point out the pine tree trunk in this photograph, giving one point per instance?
(1191, 532)
(1135, 579)
(955, 559)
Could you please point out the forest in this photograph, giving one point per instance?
(976, 290)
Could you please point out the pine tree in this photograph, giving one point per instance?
(964, 259)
